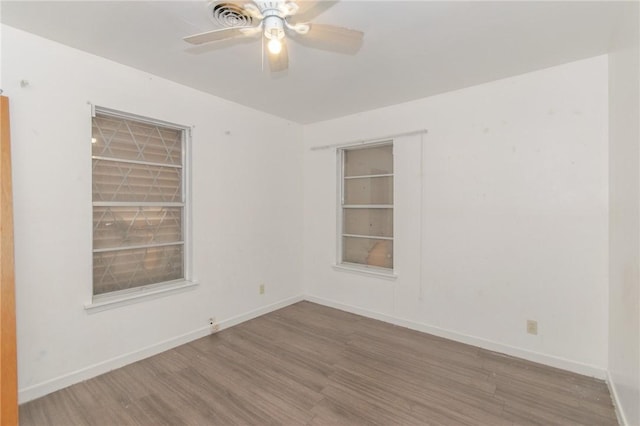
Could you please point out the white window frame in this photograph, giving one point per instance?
(340, 265)
(118, 298)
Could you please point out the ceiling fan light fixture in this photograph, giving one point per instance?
(274, 32)
(273, 27)
(274, 46)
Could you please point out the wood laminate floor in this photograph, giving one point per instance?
(311, 365)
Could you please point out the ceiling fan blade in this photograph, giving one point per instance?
(280, 61)
(222, 34)
(332, 38)
(309, 9)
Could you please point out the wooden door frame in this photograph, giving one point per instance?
(8, 354)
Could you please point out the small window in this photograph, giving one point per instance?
(366, 208)
(139, 202)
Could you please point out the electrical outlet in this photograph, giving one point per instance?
(261, 288)
(213, 325)
(532, 327)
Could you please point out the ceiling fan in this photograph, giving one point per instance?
(275, 19)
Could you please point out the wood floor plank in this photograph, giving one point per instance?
(308, 364)
(438, 371)
(293, 366)
(386, 387)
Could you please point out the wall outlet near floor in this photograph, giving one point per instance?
(261, 289)
(532, 327)
(213, 325)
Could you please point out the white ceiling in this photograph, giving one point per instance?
(412, 49)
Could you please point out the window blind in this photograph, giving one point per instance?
(138, 203)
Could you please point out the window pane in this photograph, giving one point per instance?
(123, 269)
(368, 222)
(116, 181)
(368, 251)
(121, 186)
(131, 226)
(376, 160)
(377, 190)
(130, 140)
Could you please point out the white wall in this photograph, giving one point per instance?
(624, 164)
(515, 216)
(247, 212)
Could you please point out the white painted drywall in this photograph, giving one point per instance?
(515, 215)
(624, 224)
(247, 210)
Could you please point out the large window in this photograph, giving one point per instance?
(139, 202)
(366, 225)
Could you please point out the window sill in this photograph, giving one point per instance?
(370, 271)
(106, 302)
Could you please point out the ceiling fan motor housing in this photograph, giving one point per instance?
(273, 27)
(275, 5)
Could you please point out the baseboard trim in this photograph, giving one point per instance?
(557, 362)
(238, 319)
(41, 389)
(622, 419)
